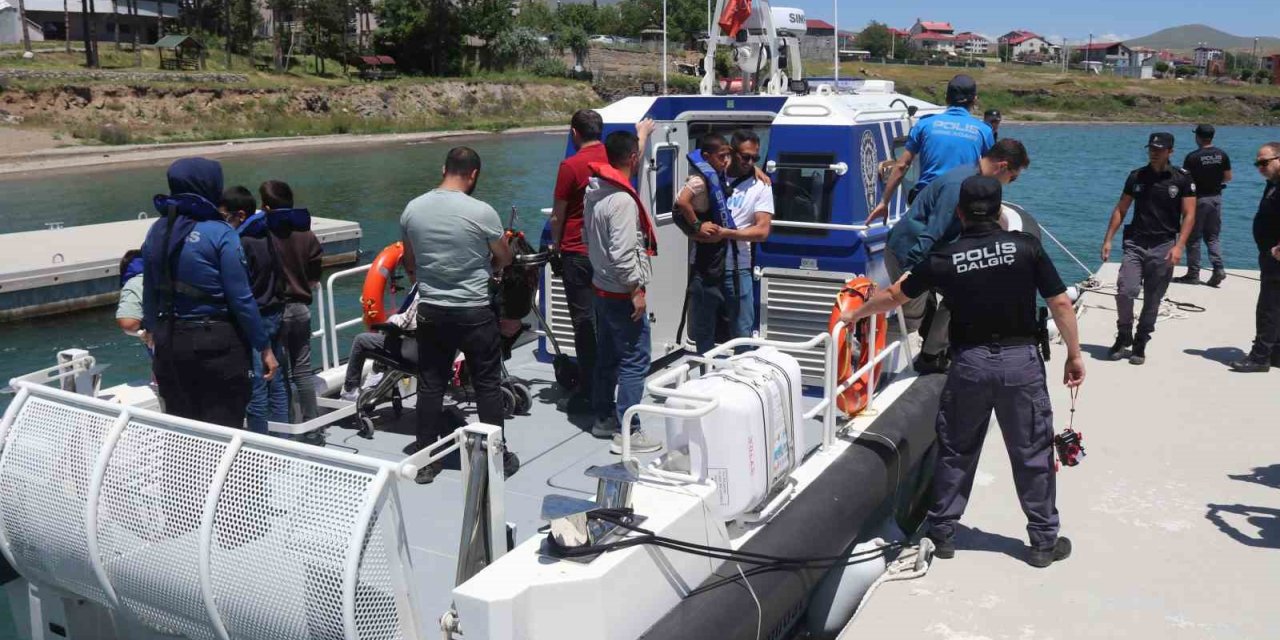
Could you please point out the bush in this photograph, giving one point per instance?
(549, 68)
(518, 46)
(114, 134)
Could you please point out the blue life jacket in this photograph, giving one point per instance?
(716, 189)
(193, 263)
(132, 269)
(255, 226)
(288, 219)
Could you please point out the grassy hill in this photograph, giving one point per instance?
(1189, 36)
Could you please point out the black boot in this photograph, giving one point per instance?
(1216, 279)
(1120, 350)
(1139, 354)
(1041, 558)
(1275, 356)
(1253, 363)
(1190, 277)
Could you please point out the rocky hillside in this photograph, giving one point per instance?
(119, 113)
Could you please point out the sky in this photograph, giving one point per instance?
(1074, 20)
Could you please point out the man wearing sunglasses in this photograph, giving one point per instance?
(1266, 233)
(931, 221)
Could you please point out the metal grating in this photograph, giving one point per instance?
(281, 532)
(558, 315)
(49, 455)
(795, 306)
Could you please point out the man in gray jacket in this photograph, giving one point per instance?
(620, 241)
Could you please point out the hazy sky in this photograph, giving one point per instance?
(1074, 19)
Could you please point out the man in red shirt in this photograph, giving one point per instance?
(569, 251)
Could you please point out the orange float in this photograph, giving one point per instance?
(852, 296)
(373, 296)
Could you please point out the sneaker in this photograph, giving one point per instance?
(1041, 558)
(1188, 278)
(1217, 278)
(926, 364)
(640, 443)
(1120, 350)
(373, 379)
(349, 395)
(1250, 364)
(605, 427)
(1139, 354)
(427, 474)
(944, 548)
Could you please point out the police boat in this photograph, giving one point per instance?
(792, 481)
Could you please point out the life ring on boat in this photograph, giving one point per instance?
(853, 295)
(373, 296)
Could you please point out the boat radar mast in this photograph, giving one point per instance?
(766, 50)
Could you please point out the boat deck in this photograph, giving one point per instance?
(1174, 514)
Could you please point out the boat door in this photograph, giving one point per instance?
(665, 170)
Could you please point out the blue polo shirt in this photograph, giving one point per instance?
(947, 140)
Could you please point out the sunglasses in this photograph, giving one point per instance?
(749, 157)
(1265, 161)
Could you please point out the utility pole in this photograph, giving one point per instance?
(1088, 53)
(1255, 54)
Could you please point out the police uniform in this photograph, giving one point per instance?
(949, 139)
(1157, 221)
(1266, 234)
(197, 301)
(1208, 167)
(990, 278)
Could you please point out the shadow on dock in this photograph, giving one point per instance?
(1264, 522)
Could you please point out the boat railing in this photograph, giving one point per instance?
(194, 529)
(330, 352)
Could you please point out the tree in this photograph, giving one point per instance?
(278, 10)
(875, 38)
(485, 19)
(1184, 71)
(423, 35)
(1162, 67)
(136, 26)
(518, 46)
(575, 39)
(536, 15)
(90, 46)
(1246, 74)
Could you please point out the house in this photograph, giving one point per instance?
(360, 27)
(1204, 55)
(819, 40)
(1024, 45)
(1142, 56)
(972, 44)
(11, 25)
(932, 37)
(1111, 54)
(103, 17)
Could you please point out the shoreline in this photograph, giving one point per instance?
(88, 158)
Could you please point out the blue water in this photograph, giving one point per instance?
(1074, 180)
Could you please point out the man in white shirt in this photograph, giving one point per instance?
(751, 206)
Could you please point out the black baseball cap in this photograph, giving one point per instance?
(962, 89)
(980, 196)
(1205, 131)
(991, 114)
(1160, 140)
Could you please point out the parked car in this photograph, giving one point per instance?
(602, 39)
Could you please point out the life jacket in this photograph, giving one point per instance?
(132, 269)
(181, 212)
(716, 190)
(611, 175)
(257, 226)
(288, 219)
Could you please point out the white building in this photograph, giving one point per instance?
(1206, 54)
(972, 44)
(1019, 45)
(11, 25)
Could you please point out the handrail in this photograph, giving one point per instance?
(320, 333)
(828, 225)
(60, 371)
(333, 324)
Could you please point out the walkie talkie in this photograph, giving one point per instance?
(1042, 334)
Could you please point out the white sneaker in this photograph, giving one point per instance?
(349, 395)
(373, 379)
(640, 443)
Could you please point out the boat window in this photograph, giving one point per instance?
(802, 189)
(664, 180)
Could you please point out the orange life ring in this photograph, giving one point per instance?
(853, 295)
(373, 296)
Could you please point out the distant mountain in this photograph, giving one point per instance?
(1189, 36)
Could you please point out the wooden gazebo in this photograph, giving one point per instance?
(185, 52)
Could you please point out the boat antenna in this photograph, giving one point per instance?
(664, 47)
(835, 73)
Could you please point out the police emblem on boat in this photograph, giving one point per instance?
(867, 150)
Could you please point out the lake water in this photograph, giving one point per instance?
(1075, 178)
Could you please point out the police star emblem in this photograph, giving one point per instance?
(1173, 191)
(868, 157)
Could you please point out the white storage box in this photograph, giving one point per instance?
(749, 444)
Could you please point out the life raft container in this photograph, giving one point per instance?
(373, 296)
(850, 356)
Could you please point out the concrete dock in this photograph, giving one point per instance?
(1174, 513)
(54, 271)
